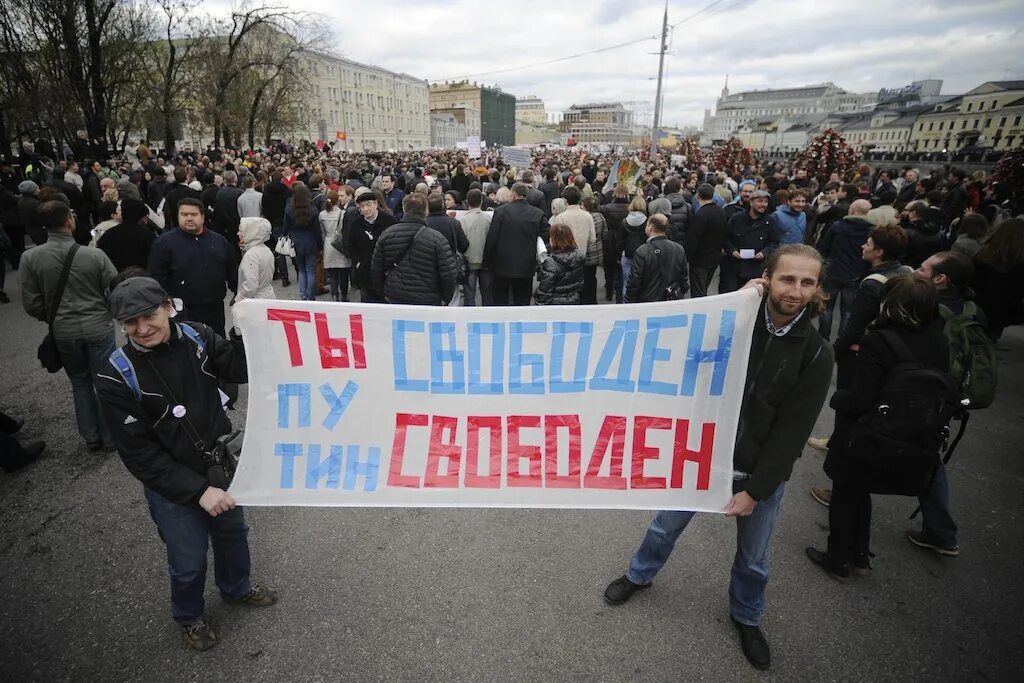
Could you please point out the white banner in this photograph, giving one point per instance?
(630, 406)
(473, 146)
(517, 156)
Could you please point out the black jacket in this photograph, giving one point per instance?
(788, 378)
(865, 305)
(28, 208)
(225, 212)
(682, 216)
(705, 236)
(511, 247)
(561, 279)
(841, 246)
(657, 265)
(550, 189)
(127, 245)
(196, 269)
(923, 240)
(9, 214)
(461, 183)
(154, 445)
(451, 229)
(744, 232)
(156, 192)
(275, 198)
(361, 238)
(614, 213)
(416, 267)
(536, 198)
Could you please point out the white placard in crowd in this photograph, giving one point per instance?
(473, 146)
(517, 156)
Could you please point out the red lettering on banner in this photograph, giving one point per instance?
(333, 350)
(492, 480)
(445, 449)
(702, 456)
(642, 452)
(518, 453)
(355, 323)
(552, 479)
(612, 437)
(289, 318)
(395, 476)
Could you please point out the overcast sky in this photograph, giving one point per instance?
(861, 46)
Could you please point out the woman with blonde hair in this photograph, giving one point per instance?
(631, 234)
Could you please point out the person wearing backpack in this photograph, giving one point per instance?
(973, 366)
(903, 357)
(163, 407)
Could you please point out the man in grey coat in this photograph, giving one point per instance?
(476, 223)
(250, 202)
(82, 328)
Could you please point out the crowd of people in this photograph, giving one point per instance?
(158, 238)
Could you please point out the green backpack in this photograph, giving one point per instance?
(972, 355)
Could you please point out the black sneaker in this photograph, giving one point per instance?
(99, 447)
(621, 589)
(825, 561)
(31, 453)
(285, 282)
(199, 636)
(258, 596)
(921, 541)
(754, 644)
(4, 299)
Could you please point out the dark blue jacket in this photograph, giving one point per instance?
(198, 269)
(841, 246)
(306, 237)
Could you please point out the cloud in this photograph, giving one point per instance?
(860, 46)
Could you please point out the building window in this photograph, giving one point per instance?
(969, 105)
(1016, 121)
(1002, 122)
(976, 122)
(988, 122)
(931, 126)
(994, 103)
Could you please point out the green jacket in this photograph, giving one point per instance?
(788, 379)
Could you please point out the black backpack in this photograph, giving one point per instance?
(895, 448)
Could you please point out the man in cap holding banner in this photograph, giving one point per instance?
(162, 403)
(788, 376)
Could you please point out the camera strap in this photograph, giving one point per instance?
(190, 429)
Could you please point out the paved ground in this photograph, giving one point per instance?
(484, 595)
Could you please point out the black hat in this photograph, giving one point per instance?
(134, 297)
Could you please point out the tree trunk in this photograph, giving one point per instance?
(252, 115)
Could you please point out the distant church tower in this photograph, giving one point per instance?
(725, 88)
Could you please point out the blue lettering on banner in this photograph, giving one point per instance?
(578, 383)
(441, 355)
(518, 360)
(316, 470)
(696, 354)
(622, 342)
(338, 403)
(652, 354)
(287, 391)
(496, 385)
(288, 452)
(368, 469)
(399, 328)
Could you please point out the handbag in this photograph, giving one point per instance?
(285, 246)
(48, 353)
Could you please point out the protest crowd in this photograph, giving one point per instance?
(926, 272)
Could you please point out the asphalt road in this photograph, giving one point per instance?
(486, 595)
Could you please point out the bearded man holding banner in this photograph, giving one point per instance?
(788, 377)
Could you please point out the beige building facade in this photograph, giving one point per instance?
(990, 116)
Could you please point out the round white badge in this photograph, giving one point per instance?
(178, 411)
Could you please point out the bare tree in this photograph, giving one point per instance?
(170, 60)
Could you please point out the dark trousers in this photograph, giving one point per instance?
(849, 523)
(338, 278)
(11, 452)
(13, 253)
(184, 529)
(700, 280)
(588, 295)
(211, 315)
(515, 291)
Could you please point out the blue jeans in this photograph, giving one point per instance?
(306, 265)
(749, 568)
(842, 295)
(937, 523)
(83, 358)
(483, 277)
(627, 266)
(184, 530)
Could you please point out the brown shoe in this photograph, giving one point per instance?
(258, 596)
(822, 495)
(199, 636)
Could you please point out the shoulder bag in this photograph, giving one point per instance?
(48, 353)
